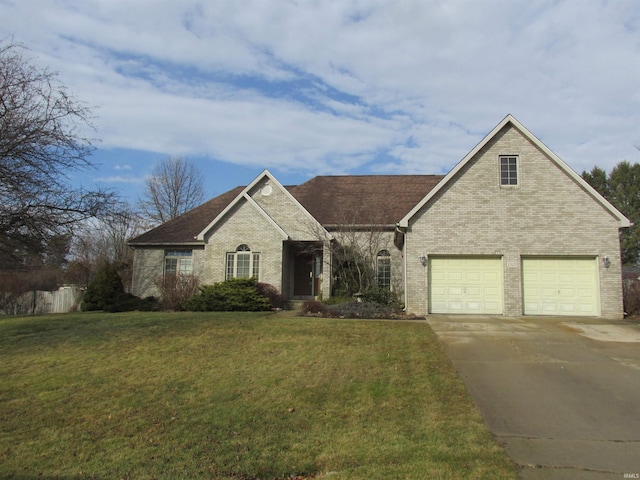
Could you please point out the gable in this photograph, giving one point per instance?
(510, 137)
(245, 222)
(275, 203)
(544, 199)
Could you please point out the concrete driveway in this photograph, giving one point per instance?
(562, 395)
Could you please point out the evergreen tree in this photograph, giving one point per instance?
(104, 290)
(622, 188)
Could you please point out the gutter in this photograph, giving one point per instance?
(166, 244)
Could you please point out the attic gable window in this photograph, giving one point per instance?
(178, 262)
(243, 263)
(508, 170)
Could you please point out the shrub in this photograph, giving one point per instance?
(236, 295)
(337, 300)
(105, 289)
(176, 290)
(313, 306)
(129, 303)
(631, 296)
(381, 296)
(362, 310)
(269, 291)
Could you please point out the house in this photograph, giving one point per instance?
(511, 230)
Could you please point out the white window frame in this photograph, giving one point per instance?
(383, 260)
(509, 171)
(247, 257)
(183, 260)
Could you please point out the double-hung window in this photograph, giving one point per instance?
(178, 262)
(243, 263)
(383, 267)
(508, 170)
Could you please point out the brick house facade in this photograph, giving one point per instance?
(510, 230)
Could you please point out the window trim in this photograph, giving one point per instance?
(509, 172)
(183, 259)
(231, 262)
(383, 255)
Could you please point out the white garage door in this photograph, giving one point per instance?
(560, 286)
(465, 285)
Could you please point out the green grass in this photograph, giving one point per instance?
(234, 396)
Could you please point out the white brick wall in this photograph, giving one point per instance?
(547, 214)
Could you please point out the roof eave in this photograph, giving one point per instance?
(163, 244)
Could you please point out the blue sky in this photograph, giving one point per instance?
(308, 88)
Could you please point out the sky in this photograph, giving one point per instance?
(307, 88)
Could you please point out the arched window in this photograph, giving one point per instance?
(243, 263)
(383, 269)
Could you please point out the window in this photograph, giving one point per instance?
(509, 170)
(243, 263)
(383, 266)
(178, 262)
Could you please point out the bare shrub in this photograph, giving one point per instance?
(272, 293)
(631, 296)
(313, 306)
(175, 290)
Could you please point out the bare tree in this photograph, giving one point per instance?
(41, 141)
(357, 241)
(174, 187)
(104, 240)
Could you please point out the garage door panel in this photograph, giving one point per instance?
(560, 286)
(466, 285)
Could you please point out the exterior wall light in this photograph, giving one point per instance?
(423, 260)
(606, 263)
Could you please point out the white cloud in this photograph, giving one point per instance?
(119, 179)
(334, 87)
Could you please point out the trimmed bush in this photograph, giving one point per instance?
(236, 295)
(105, 289)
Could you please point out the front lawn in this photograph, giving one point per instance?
(234, 396)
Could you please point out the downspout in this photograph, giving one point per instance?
(404, 259)
(406, 274)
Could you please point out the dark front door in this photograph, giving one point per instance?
(303, 275)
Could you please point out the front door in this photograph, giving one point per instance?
(303, 276)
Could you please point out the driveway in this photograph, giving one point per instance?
(562, 395)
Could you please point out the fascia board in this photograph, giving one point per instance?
(166, 244)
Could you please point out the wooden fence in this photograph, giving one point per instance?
(65, 299)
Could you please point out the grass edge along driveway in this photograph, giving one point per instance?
(234, 396)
